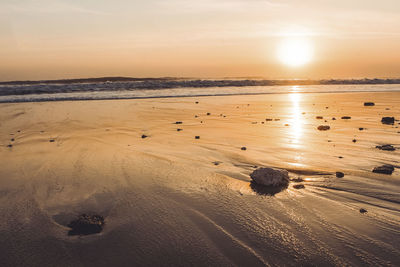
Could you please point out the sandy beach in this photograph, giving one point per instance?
(171, 199)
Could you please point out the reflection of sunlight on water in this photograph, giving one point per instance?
(295, 88)
(296, 120)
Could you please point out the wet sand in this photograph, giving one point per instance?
(172, 199)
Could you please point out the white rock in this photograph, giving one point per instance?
(270, 177)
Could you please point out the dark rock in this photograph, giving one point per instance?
(297, 180)
(243, 148)
(12, 140)
(144, 136)
(363, 210)
(384, 169)
(319, 117)
(386, 147)
(360, 129)
(178, 122)
(388, 120)
(208, 113)
(346, 118)
(10, 145)
(216, 163)
(197, 137)
(268, 119)
(340, 157)
(323, 127)
(270, 177)
(196, 102)
(299, 186)
(52, 140)
(339, 174)
(369, 104)
(354, 140)
(179, 130)
(333, 118)
(86, 225)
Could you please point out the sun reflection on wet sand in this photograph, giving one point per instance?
(296, 120)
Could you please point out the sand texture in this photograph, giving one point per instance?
(169, 199)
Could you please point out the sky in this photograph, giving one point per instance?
(52, 39)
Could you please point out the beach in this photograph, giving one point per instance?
(171, 199)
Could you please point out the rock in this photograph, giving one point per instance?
(388, 120)
(196, 102)
(268, 119)
(319, 117)
(12, 140)
(86, 225)
(270, 177)
(386, 147)
(363, 210)
(361, 129)
(354, 140)
(197, 137)
(10, 145)
(384, 169)
(346, 118)
(333, 118)
(179, 129)
(299, 186)
(339, 174)
(144, 136)
(52, 140)
(243, 148)
(323, 127)
(369, 104)
(208, 113)
(297, 180)
(178, 122)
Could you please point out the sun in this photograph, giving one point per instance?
(295, 51)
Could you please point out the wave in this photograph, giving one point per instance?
(128, 88)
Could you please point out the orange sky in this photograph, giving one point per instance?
(50, 39)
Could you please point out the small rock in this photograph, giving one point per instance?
(297, 180)
(178, 122)
(208, 113)
(346, 118)
(86, 225)
(361, 129)
(144, 136)
(319, 117)
(12, 140)
(363, 210)
(197, 137)
(333, 118)
(388, 120)
(354, 140)
(384, 169)
(268, 119)
(196, 102)
(52, 140)
(270, 177)
(369, 104)
(323, 127)
(386, 147)
(299, 186)
(339, 174)
(179, 129)
(10, 145)
(243, 148)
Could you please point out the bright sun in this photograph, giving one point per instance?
(295, 51)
